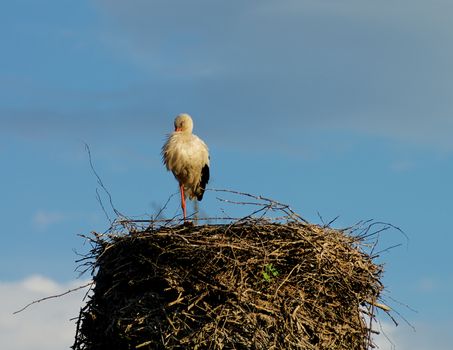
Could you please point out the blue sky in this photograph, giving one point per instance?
(338, 107)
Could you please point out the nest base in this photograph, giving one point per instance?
(246, 285)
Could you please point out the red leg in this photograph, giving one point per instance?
(183, 201)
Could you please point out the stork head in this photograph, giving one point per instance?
(183, 123)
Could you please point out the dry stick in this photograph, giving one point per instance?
(100, 181)
(237, 202)
(98, 197)
(79, 320)
(53, 296)
(174, 219)
(371, 324)
(165, 205)
(402, 304)
(385, 335)
(386, 226)
(265, 207)
(402, 317)
(272, 202)
(375, 255)
(245, 194)
(379, 305)
(76, 339)
(286, 279)
(332, 221)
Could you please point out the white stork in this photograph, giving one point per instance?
(187, 156)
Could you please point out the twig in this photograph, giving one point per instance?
(158, 215)
(272, 204)
(102, 206)
(402, 304)
(87, 147)
(375, 255)
(53, 296)
(380, 305)
(332, 221)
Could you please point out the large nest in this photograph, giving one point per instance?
(249, 284)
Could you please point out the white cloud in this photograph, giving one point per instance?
(43, 326)
(47, 325)
(425, 336)
(40, 285)
(42, 219)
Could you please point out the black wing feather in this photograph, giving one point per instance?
(203, 182)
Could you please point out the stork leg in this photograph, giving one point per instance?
(183, 201)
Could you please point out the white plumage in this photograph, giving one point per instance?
(187, 156)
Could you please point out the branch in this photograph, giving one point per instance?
(271, 204)
(53, 296)
(101, 184)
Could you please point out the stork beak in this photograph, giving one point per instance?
(178, 129)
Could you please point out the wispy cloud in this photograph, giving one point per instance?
(43, 219)
(47, 325)
(297, 65)
(425, 336)
(281, 69)
(428, 285)
(402, 166)
(44, 326)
